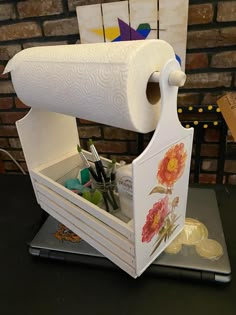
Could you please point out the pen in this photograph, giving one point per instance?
(113, 170)
(111, 180)
(102, 178)
(86, 163)
(97, 161)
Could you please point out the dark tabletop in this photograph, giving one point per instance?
(30, 285)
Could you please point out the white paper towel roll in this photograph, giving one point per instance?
(104, 82)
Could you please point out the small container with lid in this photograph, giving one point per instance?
(125, 189)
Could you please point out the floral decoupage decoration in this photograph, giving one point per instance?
(170, 169)
(161, 220)
(65, 234)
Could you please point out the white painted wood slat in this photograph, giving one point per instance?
(89, 20)
(94, 210)
(86, 229)
(91, 221)
(111, 12)
(106, 252)
(144, 12)
(173, 18)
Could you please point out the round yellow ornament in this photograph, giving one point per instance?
(209, 249)
(194, 231)
(174, 247)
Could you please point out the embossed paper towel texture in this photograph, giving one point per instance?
(104, 82)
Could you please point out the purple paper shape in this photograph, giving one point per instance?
(124, 30)
(128, 33)
(135, 35)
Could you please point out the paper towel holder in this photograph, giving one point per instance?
(56, 158)
(176, 78)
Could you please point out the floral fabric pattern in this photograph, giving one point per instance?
(65, 234)
(155, 219)
(162, 218)
(172, 166)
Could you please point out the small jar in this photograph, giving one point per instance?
(124, 181)
(110, 199)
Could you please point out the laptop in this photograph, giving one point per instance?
(187, 263)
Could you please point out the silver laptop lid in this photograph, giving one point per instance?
(202, 205)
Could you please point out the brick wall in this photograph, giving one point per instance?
(210, 67)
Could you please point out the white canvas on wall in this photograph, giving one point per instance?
(135, 20)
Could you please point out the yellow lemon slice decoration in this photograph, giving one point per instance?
(174, 247)
(194, 231)
(209, 249)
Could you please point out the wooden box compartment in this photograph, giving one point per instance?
(111, 234)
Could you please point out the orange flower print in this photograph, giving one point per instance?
(63, 233)
(171, 167)
(155, 219)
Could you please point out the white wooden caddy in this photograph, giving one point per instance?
(49, 142)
